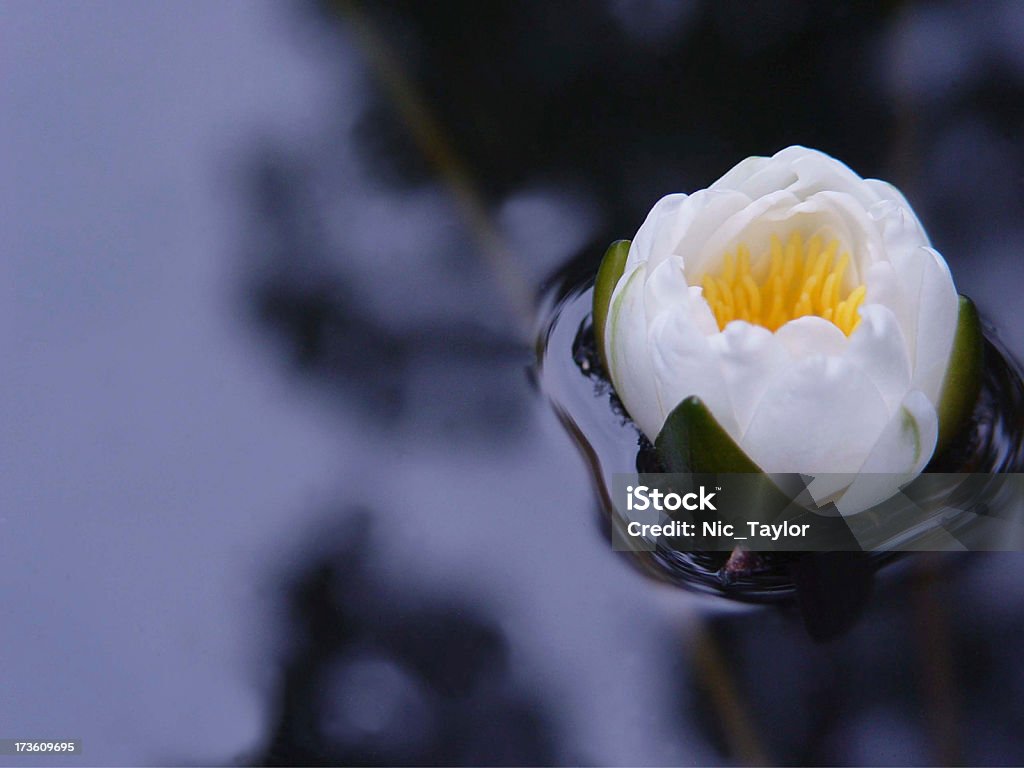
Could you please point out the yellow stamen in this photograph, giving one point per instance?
(754, 297)
(798, 279)
(729, 270)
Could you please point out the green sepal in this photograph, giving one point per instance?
(962, 384)
(612, 266)
(692, 440)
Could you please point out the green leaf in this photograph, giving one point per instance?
(963, 377)
(608, 274)
(693, 441)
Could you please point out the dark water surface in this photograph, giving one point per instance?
(278, 484)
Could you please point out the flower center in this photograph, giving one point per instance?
(801, 279)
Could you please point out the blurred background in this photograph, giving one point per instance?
(276, 485)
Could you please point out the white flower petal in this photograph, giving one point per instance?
(679, 224)
(811, 335)
(700, 312)
(852, 226)
(900, 228)
(737, 176)
(766, 212)
(938, 311)
(821, 414)
(907, 443)
(883, 284)
(709, 209)
(902, 451)
(798, 170)
(927, 285)
(658, 235)
(665, 288)
(883, 190)
(878, 348)
(685, 365)
(626, 349)
(748, 356)
(887, 193)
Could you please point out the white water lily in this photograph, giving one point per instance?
(803, 304)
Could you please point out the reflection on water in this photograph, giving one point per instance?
(376, 677)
